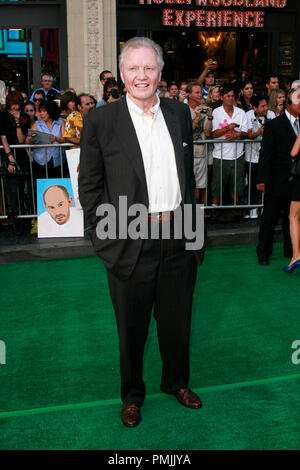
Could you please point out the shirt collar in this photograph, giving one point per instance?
(291, 118)
(136, 109)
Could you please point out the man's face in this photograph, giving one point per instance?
(162, 86)
(47, 83)
(140, 74)
(262, 108)
(273, 84)
(106, 76)
(196, 94)
(87, 105)
(58, 205)
(228, 99)
(209, 80)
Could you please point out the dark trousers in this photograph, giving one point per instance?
(274, 206)
(164, 277)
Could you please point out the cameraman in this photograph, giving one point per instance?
(111, 91)
(201, 123)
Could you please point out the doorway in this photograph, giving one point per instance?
(33, 41)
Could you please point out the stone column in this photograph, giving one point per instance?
(92, 42)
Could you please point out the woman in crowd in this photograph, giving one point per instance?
(295, 215)
(173, 91)
(276, 101)
(29, 109)
(47, 160)
(214, 97)
(67, 104)
(13, 129)
(246, 95)
(38, 98)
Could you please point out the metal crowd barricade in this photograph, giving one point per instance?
(235, 205)
(30, 178)
(62, 147)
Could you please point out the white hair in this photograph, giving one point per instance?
(142, 42)
(296, 84)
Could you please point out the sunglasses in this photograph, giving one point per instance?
(38, 99)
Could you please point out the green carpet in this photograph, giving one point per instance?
(60, 384)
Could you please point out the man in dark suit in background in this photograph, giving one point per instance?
(274, 178)
(141, 147)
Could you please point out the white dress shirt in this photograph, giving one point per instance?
(158, 157)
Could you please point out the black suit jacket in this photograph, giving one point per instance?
(275, 160)
(111, 165)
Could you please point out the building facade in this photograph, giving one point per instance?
(76, 39)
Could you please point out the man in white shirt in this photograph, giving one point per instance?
(141, 148)
(60, 218)
(230, 123)
(256, 119)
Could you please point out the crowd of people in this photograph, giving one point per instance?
(226, 111)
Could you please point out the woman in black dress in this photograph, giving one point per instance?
(295, 215)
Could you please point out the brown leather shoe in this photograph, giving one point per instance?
(131, 415)
(185, 396)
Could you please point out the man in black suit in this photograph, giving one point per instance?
(141, 148)
(274, 179)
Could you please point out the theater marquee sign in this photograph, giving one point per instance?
(215, 13)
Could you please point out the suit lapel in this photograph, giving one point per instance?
(174, 128)
(289, 128)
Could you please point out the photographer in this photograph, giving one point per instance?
(111, 91)
(256, 119)
(201, 117)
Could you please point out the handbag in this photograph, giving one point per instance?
(295, 168)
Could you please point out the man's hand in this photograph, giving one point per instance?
(261, 187)
(232, 126)
(208, 64)
(182, 95)
(260, 131)
(209, 112)
(111, 99)
(233, 135)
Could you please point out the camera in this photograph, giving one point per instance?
(114, 93)
(203, 110)
(214, 62)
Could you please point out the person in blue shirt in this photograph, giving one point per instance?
(47, 85)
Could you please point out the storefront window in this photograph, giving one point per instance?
(16, 57)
